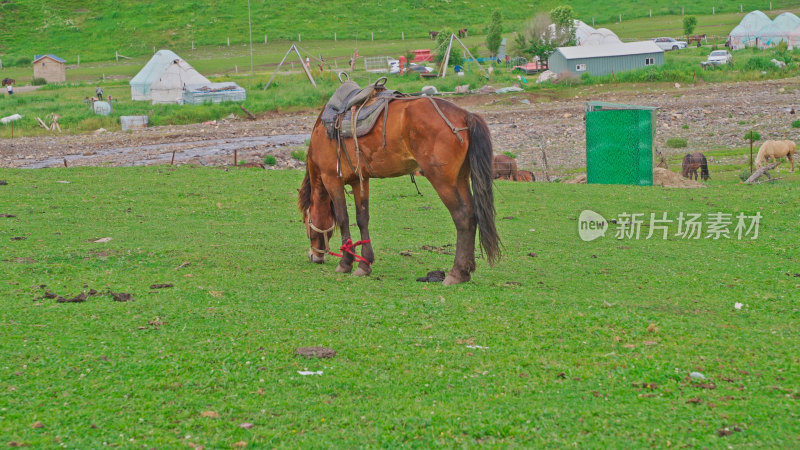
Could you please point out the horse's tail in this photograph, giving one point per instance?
(704, 168)
(480, 162)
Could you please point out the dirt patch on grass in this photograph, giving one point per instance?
(315, 352)
(661, 177)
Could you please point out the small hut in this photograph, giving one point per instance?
(50, 67)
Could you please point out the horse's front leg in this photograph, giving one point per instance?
(361, 196)
(336, 188)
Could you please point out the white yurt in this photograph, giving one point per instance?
(163, 78)
(745, 33)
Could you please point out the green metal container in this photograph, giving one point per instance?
(619, 143)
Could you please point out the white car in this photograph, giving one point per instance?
(719, 57)
(668, 43)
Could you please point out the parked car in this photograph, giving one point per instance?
(719, 57)
(668, 43)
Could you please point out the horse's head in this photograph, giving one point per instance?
(318, 219)
(319, 229)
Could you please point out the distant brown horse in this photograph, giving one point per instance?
(462, 32)
(525, 175)
(775, 149)
(9, 81)
(452, 146)
(433, 34)
(690, 164)
(504, 167)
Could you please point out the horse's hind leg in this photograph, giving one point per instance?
(458, 199)
(362, 218)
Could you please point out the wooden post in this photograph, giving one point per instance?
(372, 36)
(116, 55)
(681, 10)
(236, 68)
(12, 129)
(546, 169)
(620, 18)
(229, 42)
(235, 157)
(154, 49)
(65, 162)
(172, 162)
(651, 13)
(402, 36)
(334, 36)
(751, 152)
(592, 21)
(443, 69)
(740, 8)
(694, 77)
(713, 11)
(299, 39)
(265, 40)
(192, 45)
(79, 62)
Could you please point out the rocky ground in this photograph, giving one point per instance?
(708, 116)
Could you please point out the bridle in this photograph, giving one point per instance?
(310, 226)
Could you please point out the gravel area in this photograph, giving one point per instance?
(708, 116)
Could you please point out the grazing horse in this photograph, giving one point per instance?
(690, 164)
(8, 81)
(526, 175)
(462, 32)
(504, 167)
(433, 34)
(775, 149)
(451, 145)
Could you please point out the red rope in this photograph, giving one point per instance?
(348, 247)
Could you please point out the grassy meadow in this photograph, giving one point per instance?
(564, 342)
(98, 28)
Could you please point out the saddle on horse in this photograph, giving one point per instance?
(350, 101)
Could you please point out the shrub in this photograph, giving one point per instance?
(756, 135)
(685, 127)
(23, 61)
(299, 155)
(796, 124)
(676, 143)
(270, 160)
(762, 63)
(38, 81)
(510, 155)
(744, 174)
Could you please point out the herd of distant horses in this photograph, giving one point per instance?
(771, 149)
(462, 33)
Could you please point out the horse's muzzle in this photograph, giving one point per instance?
(315, 258)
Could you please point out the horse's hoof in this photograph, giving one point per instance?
(451, 280)
(342, 269)
(361, 272)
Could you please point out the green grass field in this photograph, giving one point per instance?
(587, 344)
(96, 29)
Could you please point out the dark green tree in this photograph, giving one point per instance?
(689, 24)
(494, 37)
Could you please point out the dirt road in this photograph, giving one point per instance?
(707, 116)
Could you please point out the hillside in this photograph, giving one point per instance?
(95, 29)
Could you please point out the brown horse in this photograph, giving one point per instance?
(453, 148)
(690, 164)
(504, 167)
(8, 81)
(433, 34)
(462, 32)
(775, 149)
(526, 175)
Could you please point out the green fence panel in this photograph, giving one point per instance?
(619, 144)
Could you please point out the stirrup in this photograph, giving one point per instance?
(346, 77)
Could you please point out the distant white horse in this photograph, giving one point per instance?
(775, 149)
